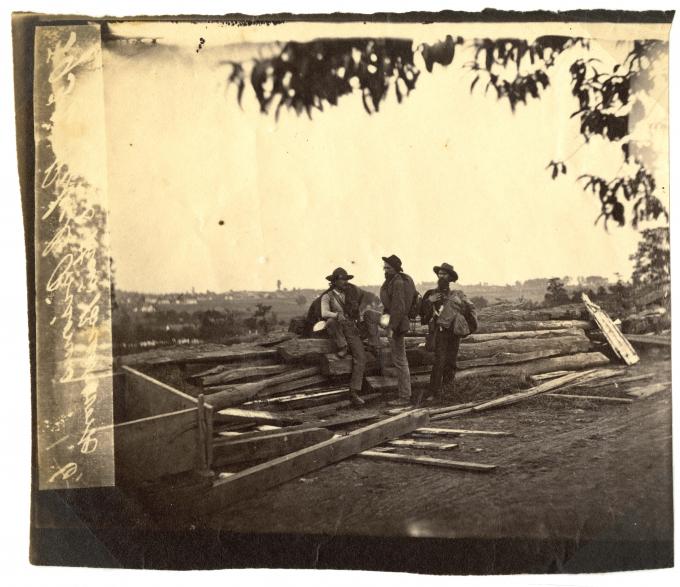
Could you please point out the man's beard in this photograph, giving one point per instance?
(387, 274)
(443, 284)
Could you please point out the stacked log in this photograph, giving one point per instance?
(509, 341)
(508, 350)
(283, 373)
(568, 362)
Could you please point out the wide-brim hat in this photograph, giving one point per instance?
(394, 262)
(339, 273)
(448, 268)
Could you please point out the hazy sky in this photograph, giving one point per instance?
(444, 176)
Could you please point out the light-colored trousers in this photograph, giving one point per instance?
(397, 350)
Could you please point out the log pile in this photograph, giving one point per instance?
(287, 372)
(274, 403)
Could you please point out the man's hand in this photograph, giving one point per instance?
(437, 297)
(341, 317)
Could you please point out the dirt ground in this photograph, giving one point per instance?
(571, 469)
(579, 486)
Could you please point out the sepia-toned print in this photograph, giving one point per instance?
(326, 292)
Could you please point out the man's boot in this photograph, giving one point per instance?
(355, 400)
(417, 398)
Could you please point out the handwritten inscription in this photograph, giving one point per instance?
(73, 283)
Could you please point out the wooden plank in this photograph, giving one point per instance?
(595, 398)
(274, 338)
(338, 405)
(146, 396)
(451, 408)
(242, 373)
(564, 312)
(227, 436)
(421, 444)
(257, 416)
(211, 371)
(495, 327)
(545, 376)
(287, 377)
(150, 448)
(459, 432)
(523, 345)
(519, 334)
(203, 439)
(228, 354)
(305, 349)
(567, 362)
(287, 417)
(307, 392)
(199, 372)
(226, 491)
(435, 411)
(513, 326)
(616, 340)
(283, 388)
(306, 401)
(625, 380)
(423, 460)
(649, 339)
(514, 358)
(452, 414)
(560, 382)
(647, 390)
(344, 420)
(268, 446)
(233, 395)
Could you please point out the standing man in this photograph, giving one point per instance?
(450, 316)
(397, 295)
(341, 307)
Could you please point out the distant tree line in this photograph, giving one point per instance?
(172, 326)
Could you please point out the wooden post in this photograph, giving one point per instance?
(208, 411)
(203, 439)
(182, 375)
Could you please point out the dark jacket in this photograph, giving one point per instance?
(396, 295)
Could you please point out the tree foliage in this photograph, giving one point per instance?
(557, 293)
(653, 257)
(493, 58)
(308, 76)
